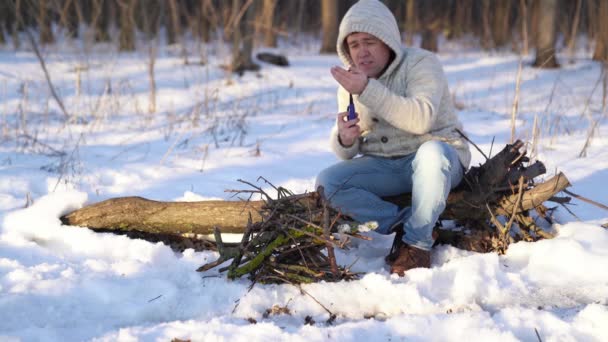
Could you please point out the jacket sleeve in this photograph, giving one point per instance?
(416, 110)
(341, 151)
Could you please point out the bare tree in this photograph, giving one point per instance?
(173, 25)
(329, 25)
(486, 30)
(151, 61)
(100, 19)
(268, 10)
(411, 21)
(460, 17)
(17, 24)
(242, 36)
(4, 20)
(44, 23)
(127, 25)
(431, 24)
(601, 39)
(573, 29)
(501, 22)
(546, 31)
(300, 12)
(69, 16)
(523, 10)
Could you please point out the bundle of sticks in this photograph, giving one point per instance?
(291, 244)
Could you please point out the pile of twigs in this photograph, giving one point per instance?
(496, 199)
(292, 243)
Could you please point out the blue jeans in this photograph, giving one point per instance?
(355, 186)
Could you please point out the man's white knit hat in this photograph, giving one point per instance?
(373, 17)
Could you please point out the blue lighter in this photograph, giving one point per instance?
(351, 109)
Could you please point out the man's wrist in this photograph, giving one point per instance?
(344, 145)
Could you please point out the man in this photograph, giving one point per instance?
(405, 131)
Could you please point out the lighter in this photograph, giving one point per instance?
(351, 109)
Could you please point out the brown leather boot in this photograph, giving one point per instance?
(410, 257)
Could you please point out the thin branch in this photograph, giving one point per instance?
(472, 143)
(46, 73)
(586, 200)
(516, 100)
(517, 204)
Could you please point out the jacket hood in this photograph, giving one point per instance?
(373, 17)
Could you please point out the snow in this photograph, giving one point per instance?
(62, 283)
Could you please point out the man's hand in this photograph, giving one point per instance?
(348, 131)
(352, 80)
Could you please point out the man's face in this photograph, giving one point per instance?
(370, 54)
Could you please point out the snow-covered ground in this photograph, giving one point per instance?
(60, 283)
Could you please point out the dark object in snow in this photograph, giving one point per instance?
(272, 58)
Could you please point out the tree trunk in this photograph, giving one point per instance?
(173, 25)
(571, 41)
(411, 23)
(150, 18)
(501, 22)
(546, 30)
(601, 39)
(459, 13)
(126, 39)
(329, 25)
(44, 23)
(300, 12)
(431, 25)
(5, 13)
(69, 17)
(523, 10)
(242, 38)
(270, 36)
(100, 20)
(486, 33)
(140, 214)
(17, 25)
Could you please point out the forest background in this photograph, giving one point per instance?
(516, 24)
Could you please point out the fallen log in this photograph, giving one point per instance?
(503, 186)
(482, 185)
(140, 214)
(200, 218)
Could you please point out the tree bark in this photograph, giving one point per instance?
(127, 25)
(242, 37)
(486, 33)
(270, 36)
(5, 13)
(501, 22)
(601, 40)
(329, 25)
(410, 21)
(523, 10)
(44, 23)
(546, 34)
(571, 40)
(173, 25)
(431, 25)
(100, 20)
(69, 17)
(140, 214)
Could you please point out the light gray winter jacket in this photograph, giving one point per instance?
(408, 104)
